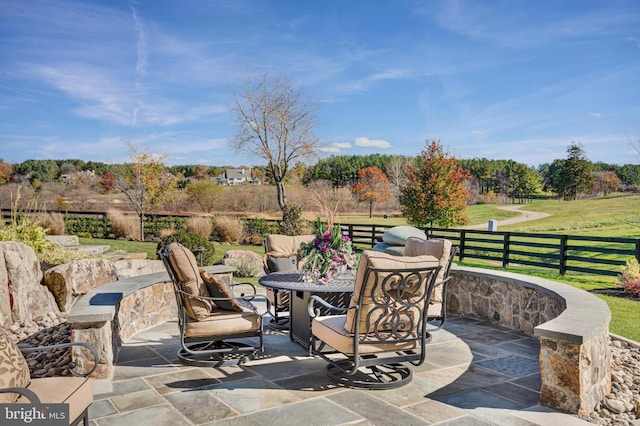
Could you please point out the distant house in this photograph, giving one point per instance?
(236, 177)
(75, 178)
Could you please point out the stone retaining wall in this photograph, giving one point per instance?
(108, 316)
(573, 327)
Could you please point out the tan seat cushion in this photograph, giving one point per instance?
(280, 298)
(183, 262)
(434, 310)
(75, 391)
(378, 259)
(221, 322)
(14, 371)
(217, 288)
(440, 248)
(285, 246)
(331, 330)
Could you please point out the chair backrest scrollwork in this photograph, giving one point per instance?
(390, 292)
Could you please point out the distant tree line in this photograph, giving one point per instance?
(569, 177)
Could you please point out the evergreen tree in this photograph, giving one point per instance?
(575, 176)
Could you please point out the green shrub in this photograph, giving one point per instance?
(291, 220)
(257, 228)
(262, 227)
(630, 277)
(97, 226)
(192, 241)
(22, 229)
(245, 268)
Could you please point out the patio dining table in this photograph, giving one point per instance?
(336, 291)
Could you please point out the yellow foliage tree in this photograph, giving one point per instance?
(146, 182)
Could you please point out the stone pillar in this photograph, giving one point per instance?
(575, 377)
(100, 336)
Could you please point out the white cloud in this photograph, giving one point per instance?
(479, 132)
(595, 114)
(335, 148)
(372, 143)
(365, 83)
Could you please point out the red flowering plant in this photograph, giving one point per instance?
(328, 254)
(630, 277)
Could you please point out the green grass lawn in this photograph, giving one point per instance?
(478, 214)
(611, 217)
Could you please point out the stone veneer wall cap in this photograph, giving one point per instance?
(585, 315)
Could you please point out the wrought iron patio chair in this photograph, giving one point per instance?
(445, 252)
(211, 313)
(384, 327)
(281, 254)
(17, 386)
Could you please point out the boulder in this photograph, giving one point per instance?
(397, 236)
(64, 240)
(69, 281)
(127, 268)
(23, 298)
(247, 263)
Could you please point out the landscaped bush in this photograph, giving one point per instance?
(24, 230)
(291, 220)
(53, 223)
(257, 228)
(630, 277)
(97, 226)
(200, 225)
(193, 242)
(245, 268)
(228, 229)
(124, 226)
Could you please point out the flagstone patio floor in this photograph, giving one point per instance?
(475, 373)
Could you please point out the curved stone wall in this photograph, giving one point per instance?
(572, 324)
(109, 315)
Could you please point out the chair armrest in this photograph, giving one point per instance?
(443, 282)
(26, 349)
(251, 290)
(30, 395)
(316, 312)
(242, 298)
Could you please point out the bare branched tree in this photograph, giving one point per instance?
(396, 171)
(274, 124)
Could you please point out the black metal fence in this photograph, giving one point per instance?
(560, 252)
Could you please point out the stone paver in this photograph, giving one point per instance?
(474, 374)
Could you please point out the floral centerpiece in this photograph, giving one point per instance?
(328, 254)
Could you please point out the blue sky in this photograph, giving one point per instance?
(507, 79)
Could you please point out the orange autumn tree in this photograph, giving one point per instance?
(434, 192)
(372, 185)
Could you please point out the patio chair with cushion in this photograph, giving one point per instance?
(383, 328)
(281, 254)
(444, 251)
(17, 386)
(210, 312)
